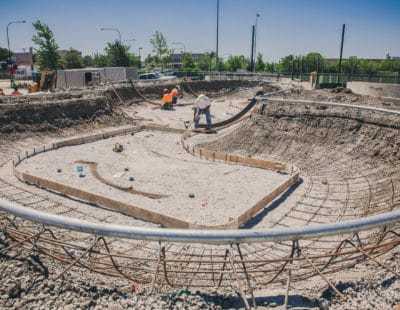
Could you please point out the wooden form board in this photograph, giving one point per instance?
(148, 215)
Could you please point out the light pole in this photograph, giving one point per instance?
(9, 50)
(255, 40)
(216, 50)
(115, 29)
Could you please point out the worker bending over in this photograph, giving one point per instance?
(175, 92)
(166, 100)
(202, 105)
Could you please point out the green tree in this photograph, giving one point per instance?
(368, 67)
(188, 62)
(235, 63)
(47, 56)
(160, 48)
(285, 64)
(73, 59)
(3, 54)
(313, 62)
(100, 60)
(117, 54)
(204, 63)
(260, 65)
(134, 60)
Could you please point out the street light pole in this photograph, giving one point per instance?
(115, 29)
(216, 49)
(9, 50)
(255, 39)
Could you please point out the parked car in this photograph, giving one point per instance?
(156, 76)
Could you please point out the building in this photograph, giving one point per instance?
(177, 59)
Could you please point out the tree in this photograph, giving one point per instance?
(204, 63)
(260, 65)
(47, 56)
(117, 54)
(188, 62)
(160, 48)
(100, 60)
(134, 60)
(3, 54)
(73, 59)
(235, 63)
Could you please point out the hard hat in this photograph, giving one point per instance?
(165, 90)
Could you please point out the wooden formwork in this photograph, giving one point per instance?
(234, 222)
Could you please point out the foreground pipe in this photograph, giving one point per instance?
(202, 236)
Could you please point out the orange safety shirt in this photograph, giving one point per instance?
(167, 98)
(174, 92)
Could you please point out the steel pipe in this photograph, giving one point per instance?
(202, 236)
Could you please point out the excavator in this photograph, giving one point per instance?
(43, 81)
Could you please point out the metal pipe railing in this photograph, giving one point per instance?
(201, 236)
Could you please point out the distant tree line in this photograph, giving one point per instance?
(117, 54)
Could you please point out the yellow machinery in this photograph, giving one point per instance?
(43, 81)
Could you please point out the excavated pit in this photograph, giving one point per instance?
(349, 162)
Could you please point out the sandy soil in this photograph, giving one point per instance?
(221, 190)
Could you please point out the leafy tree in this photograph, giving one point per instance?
(87, 61)
(285, 64)
(73, 59)
(188, 62)
(270, 67)
(134, 60)
(3, 54)
(204, 63)
(313, 62)
(99, 60)
(117, 54)
(160, 48)
(368, 67)
(47, 56)
(235, 63)
(260, 65)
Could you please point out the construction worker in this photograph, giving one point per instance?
(175, 92)
(202, 105)
(166, 100)
(16, 92)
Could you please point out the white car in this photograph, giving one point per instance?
(157, 76)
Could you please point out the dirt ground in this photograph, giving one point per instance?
(349, 162)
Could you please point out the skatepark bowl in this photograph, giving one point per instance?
(335, 206)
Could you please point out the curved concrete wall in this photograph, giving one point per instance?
(375, 89)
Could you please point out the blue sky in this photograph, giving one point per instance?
(284, 27)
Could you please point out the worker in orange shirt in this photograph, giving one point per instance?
(16, 92)
(166, 100)
(175, 93)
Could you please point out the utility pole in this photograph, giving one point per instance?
(252, 50)
(216, 50)
(341, 53)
